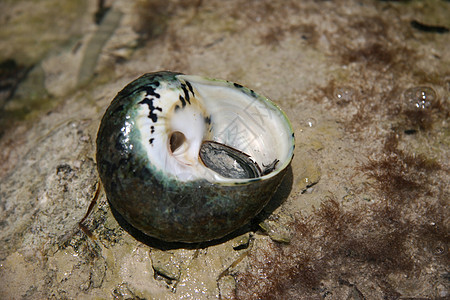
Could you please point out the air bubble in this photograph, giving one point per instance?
(344, 94)
(310, 122)
(420, 97)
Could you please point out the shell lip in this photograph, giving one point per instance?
(283, 163)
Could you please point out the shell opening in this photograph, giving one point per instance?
(200, 128)
(255, 133)
(177, 139)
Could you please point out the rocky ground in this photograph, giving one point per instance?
(362, 213)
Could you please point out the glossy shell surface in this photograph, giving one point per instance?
(149, 161)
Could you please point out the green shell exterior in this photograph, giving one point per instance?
(162, 207)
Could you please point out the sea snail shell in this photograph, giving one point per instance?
(191, 159)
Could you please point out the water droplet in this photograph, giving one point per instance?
(310, 122)
(344, 94)
(419, 97)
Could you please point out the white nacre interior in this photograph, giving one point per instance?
(255, 126)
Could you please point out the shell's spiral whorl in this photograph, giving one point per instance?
(180, 156)
(163, 117)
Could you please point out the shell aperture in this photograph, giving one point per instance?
(187, 158)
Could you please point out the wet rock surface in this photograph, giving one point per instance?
(362, 211)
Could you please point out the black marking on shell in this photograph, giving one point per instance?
(227, 161)
(208, 120)
(152, 129)
(151, 108)
(190, 87)
(151, 141)
(177, 107)
(183, 102)
(238, 85)
(150, 90)
(186, 93)
(136, 87)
